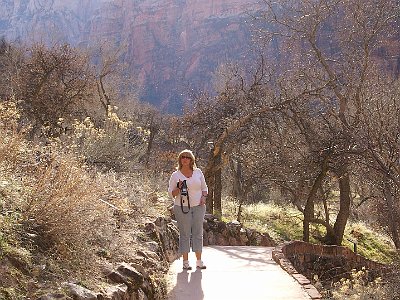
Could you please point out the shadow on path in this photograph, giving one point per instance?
(188, 286)
(244, 252)
(233, 272)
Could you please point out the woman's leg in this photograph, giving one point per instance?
(198, 255)
(197, 230)
(184, 225)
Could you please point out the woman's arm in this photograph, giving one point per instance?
(173, 190)
(204, 189)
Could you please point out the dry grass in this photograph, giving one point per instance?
(281, 222)
(67, 218)
(12, 143)
(284, 223)
(359, 287)
(138, 201)
(64, 207)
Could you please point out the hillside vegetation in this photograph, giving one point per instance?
(311, 124)
(61, 220)
(285, 223)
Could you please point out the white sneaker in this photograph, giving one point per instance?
(200, 264)
(186, 265)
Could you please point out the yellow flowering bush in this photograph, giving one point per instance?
(116, 145)
(358, 287)
(9, 115)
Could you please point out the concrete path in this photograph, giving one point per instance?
(233, 272)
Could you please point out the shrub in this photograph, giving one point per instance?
(392, 286)
(48, 191)
(64, 208)
(64, 213)
(14, 153)
(12, 144)
(117, 145)
(358, 287)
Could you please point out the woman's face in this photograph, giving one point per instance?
(185, 160)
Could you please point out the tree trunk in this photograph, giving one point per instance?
(209, 175)
(218, 195)
(218, 189)
(237, 178)
(210, 198)
(104, 98)
(238, 191)
(344, 210)
(392, 220)
(308, 215)
(309, 207)
(214, 182)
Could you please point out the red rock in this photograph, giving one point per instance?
(169, 42)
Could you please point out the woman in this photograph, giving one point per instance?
(189, 189)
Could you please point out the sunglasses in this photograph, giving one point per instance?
(188, 157)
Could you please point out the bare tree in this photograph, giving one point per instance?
(380, 137)
(227, 120)
(115, 83)
(333, 64)
(53, 83)
(11, 59)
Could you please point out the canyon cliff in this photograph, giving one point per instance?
(171, 46)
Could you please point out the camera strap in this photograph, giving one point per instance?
(182, 201)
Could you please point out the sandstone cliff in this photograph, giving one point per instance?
(171, 45)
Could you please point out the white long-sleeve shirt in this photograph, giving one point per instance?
(196, 186)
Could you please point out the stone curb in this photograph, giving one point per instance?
(286, 265)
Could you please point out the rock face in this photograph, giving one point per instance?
(171, 45)
(137, 280)
(232, 234)
(329, 262)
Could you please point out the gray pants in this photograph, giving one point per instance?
(190, 225)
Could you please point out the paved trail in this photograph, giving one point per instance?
(234, 272)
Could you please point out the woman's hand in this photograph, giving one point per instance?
(180, 184)
(203, 200)
(177, 190)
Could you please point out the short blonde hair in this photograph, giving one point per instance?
(189, 153)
